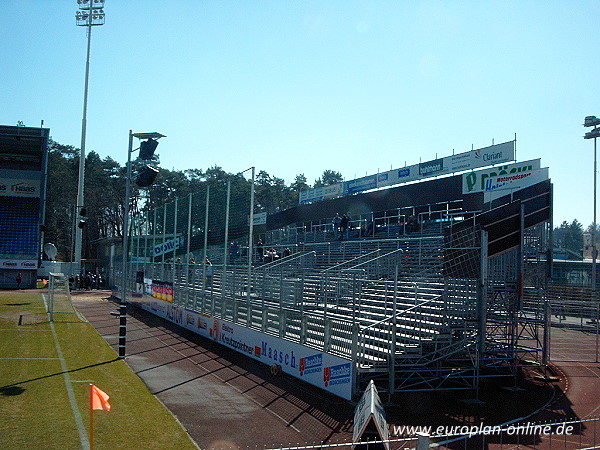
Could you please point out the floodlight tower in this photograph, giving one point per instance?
(90, 14)
(144, 178)
(593, 121)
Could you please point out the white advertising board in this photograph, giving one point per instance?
(496, 187)
(259, 218)
(478, 180)
(494, 154)
(369, 408)
(313, 195)
(320, 369)
(472, 159)
(12, 187)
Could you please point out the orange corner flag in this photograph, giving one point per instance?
(99, 399)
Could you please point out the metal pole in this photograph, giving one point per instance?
(164, 237)
(153, 243)
(250, 232)
(189, 227)
(227, 222)
(146, 259)
(206, 243)
(80, 201)
(594, 251)
(123, 303)
(187, 253)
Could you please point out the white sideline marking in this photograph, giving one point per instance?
(85, 443)
(23, 329)
(51, 359)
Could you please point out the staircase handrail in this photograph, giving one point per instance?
(398, 250)
(284, 260)
(351, 260)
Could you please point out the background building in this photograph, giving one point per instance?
(23, 166)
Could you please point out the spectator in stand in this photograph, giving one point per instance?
(287, 252)
(271, 255)
(260, 249)
(234, 251)
(344, 225)
(413, 224)
(209, 272)
(337, 221)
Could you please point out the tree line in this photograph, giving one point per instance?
(104, 194)
(105, 187)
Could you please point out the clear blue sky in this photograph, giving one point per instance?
(301, 86)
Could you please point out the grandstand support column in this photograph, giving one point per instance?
(392, 358)
(482, 294)
(355, 367)
(547, 325)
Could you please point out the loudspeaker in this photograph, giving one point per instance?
(147, 149)
(146, 176)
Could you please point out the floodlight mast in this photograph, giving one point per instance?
(593, 121)
(90, 13)
(123, 302)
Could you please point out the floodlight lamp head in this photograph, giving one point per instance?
(146, 176)
(595, 133)
(147, 149)
(591, 121)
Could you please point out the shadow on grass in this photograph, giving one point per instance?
(11, 390)
(18, 304)
(16, 389)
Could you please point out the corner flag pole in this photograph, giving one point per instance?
(91, 417)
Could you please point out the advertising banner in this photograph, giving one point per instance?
(361, 184)
(476, 181)
(472, 159)
(333, 190)
(496, 187)
(12, 187)
(494, 154)
(259, 218)
(431, 168)
(328, 372)
(162, 290)
(168, 246)
(28, 264)
(398, 176)
(313, 195)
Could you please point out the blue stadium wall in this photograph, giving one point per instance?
(23, 166)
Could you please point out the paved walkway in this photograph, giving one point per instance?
(222, 398)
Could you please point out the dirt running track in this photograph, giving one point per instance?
(226, 400)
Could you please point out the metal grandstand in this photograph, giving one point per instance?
(431, 298)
